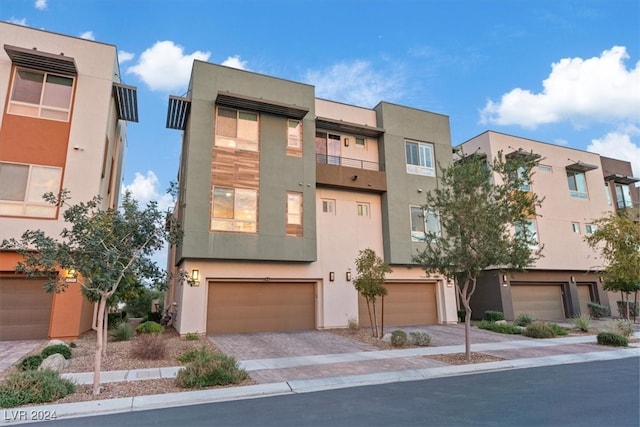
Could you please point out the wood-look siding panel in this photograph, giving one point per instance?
(235, 168)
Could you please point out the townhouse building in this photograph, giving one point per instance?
(63, 126)
(622, 192)
(278, 193)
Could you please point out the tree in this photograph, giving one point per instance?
(369, 281)
(483, 214)
(106, 248)
(617, 238)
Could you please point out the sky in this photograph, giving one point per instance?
(562, 72)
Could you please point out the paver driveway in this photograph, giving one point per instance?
(12, 351)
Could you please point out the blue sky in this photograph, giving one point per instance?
(564, 72)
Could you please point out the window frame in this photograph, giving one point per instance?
(237, 142)
(32, 206)
(235, 222)
(533, 229)
(41, 108)
(363, 209)
(294, 228)
(326, 203)
(590, 228)
(420, 235)
(578, 193)
(625, 194)
(424, 167)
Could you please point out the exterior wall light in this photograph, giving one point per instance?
(348, 276)
(194, 279)
(71, 276)
(346, 142)
(332, 276)
(573, 279)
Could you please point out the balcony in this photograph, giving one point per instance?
(354, 174)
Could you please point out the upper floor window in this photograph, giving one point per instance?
(294, 214)
(607, 192)
(329, 206)
(528, 229)
(234, 209)
(590, 228)
(577, 184)
(41, 94)
(526, 184)
(23, 187)
(419, 158)
(623, 196)
(423, 223)
(363, 209)
(237, 129)
(360, 142)
(575, 226)
(294, 133)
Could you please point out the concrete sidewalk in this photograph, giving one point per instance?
(517, 355)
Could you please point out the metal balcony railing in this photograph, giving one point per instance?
(352, 163)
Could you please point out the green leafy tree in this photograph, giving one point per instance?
(369, 282)
(483, 212)
(617, 238)
(107, 248)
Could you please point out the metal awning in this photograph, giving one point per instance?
(524, 155)
(348, 127)
(228, 99)
(580, 166)
(178, 112)
(621, 179)
(44, 61)
(126, 98)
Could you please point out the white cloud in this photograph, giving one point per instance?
(145, 189)
(235, 62)
(88, 35)
(41, 4)
(21, 21)
(124, 56)
(165, 66)
(619, 145)
(356, 83)
(578, 90)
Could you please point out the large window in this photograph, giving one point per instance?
(294, 133)
(623, 196)
(234, 209)
(577, 184)
(294, 214)
(528, 229)
(40, 94)
(22, 189)
(423, 223)
(237, 129)
(419, 158)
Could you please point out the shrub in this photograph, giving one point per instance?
(57, 348)
(538, 330)
(30, 363)
(149, 347)
(352, 324)
(582, 322)
(154, 316)
(192, 336)
(611, 339)
(493, 316)
(208, 368)
(21, 388)
(122, 332)
(419, 338)
(189, 355)
(557, 329)
(399, 338)
(462, 314)
(150, 327)
(113, 319)
(596, 310)
(501, 328)
(620, 327)
(523, 319)
(73, 344)
(630, 307)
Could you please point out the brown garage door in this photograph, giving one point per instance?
(543, 302)
(25, 309)
(405, 304)
(260, 307)
(584, 297)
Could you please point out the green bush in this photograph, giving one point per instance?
(621, 327)
(630, 307)
(122, 332)
(611, 339)
(154, 316)
(596, 310)
(208, 368)
(493, 316)
(399, 338)
(538, 330)
(420, 338)
(57, 348)
(557, 329)
(462, 314)
(21, 388)
(582, 322)
(141, 305)
(30, 363)
(501, 328)
(72, 344)
(192, 336)
(523, 320)
(114, 319)
(190, 355)
(149, 347)
(150, 327)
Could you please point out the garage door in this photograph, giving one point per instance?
(405, 304)
(544, 302)
(25, 309)
(584, 296)
(260, 307)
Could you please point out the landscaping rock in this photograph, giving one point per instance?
(501, 322)
(56, 362)
(57, 342)
(387, 338)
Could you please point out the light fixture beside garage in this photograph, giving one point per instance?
(332, 276)
(349, 276)
(194, 279)
(71, 276)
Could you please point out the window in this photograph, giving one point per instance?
(328, 206)
(527, 229)
(294, 214)
(363, 209)
(237, 129)
(607, 192)
(360, 142)
(590, 228)
(623, 196)
(526, 185)
(40, 94)
(419, 158)
(544, 168)
(575, 226)
(294, 133)
(23, 187)
(577, 184)
(423, 223)
(234, 209)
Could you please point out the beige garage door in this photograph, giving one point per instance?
(544, 302)
(405, 304)
(584, 296)
(25, 309)
(260, 307)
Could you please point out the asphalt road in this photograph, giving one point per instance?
(584, 394)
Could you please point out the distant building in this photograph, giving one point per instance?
(620, 183)
(62, 126)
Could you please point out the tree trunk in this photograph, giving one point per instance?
(99, 342)
(375, 319)
(370, 320)
(105, 331)
(635, 306)
(467, 328)
(382, 320)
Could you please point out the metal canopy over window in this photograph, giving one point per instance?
(228, 99)
(178, 112)
(347, 127)
(621, 179)
(524, 155)
(580, 166)
(44, 61)
(126, 98)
